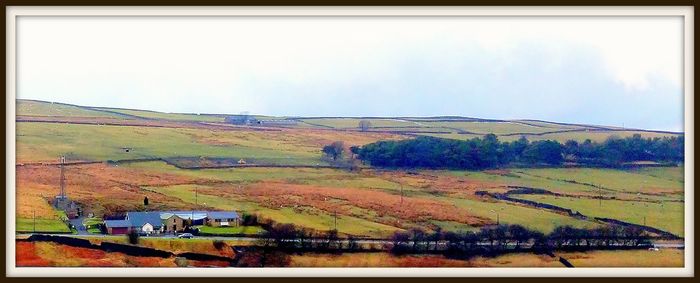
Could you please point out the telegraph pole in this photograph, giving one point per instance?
(335, 220)
(63, 178)
(401, 201)
(34, 221)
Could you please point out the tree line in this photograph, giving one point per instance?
(274, 247)
(488, 152)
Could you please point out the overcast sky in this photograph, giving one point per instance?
(609, 71)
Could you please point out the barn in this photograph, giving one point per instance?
(223, 218)
(117, 227)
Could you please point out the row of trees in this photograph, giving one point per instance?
(280, 240)
(489, 152)
(500, 238)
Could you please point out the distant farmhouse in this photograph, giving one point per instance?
(156, 222)
(250, 120)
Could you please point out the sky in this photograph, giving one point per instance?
(616, 71)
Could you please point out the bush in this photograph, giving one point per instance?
(219, 244)
(133, 237)
(181, 262)
(250, 220)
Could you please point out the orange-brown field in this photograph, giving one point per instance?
(634, 258)
(46, 254)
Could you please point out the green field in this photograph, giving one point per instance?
(92, 142)
(47, 109)
(26, 225)
(490, 127)
(243, 175)
(624, 181)
(668, 173)
(169, 116)
(667, 216)
(535, 219)
(349, 123)
(244, 230)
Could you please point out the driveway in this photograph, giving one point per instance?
(78, 224)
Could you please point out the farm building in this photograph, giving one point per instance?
(277, 122)
(155, 222)
(223, 218)
(117, 227)
(145, 222)
(240, 119)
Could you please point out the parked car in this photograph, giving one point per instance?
(186, 236)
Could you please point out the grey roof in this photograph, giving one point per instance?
(184, 214)
(138, 219)
(222, 214)
(117, 223)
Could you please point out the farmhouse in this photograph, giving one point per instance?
(174, 221)
(155, 222)
(145, 222)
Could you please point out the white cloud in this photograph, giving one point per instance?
(200, 64)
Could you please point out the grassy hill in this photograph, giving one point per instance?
(444, 127)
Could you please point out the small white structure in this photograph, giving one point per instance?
(147, 228)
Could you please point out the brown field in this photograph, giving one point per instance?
(45, 254)
(375, 260)
(634, 258)
(202, 246)
(276, 194)
(90, 185)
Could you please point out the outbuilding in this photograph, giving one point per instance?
(223, 218)
(117, 227)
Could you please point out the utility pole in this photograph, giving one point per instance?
(195, 196)
(401, 201)
(335, 220)
(63, 178)
(600, 197)
(34, 220)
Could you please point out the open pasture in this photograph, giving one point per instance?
(167, 116)
(496, 128)
(48, 109)
(353, 123)
(667, 216)
(92, 142)
(30, 225)
(508, 213)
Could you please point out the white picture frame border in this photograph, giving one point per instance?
(13, 12)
